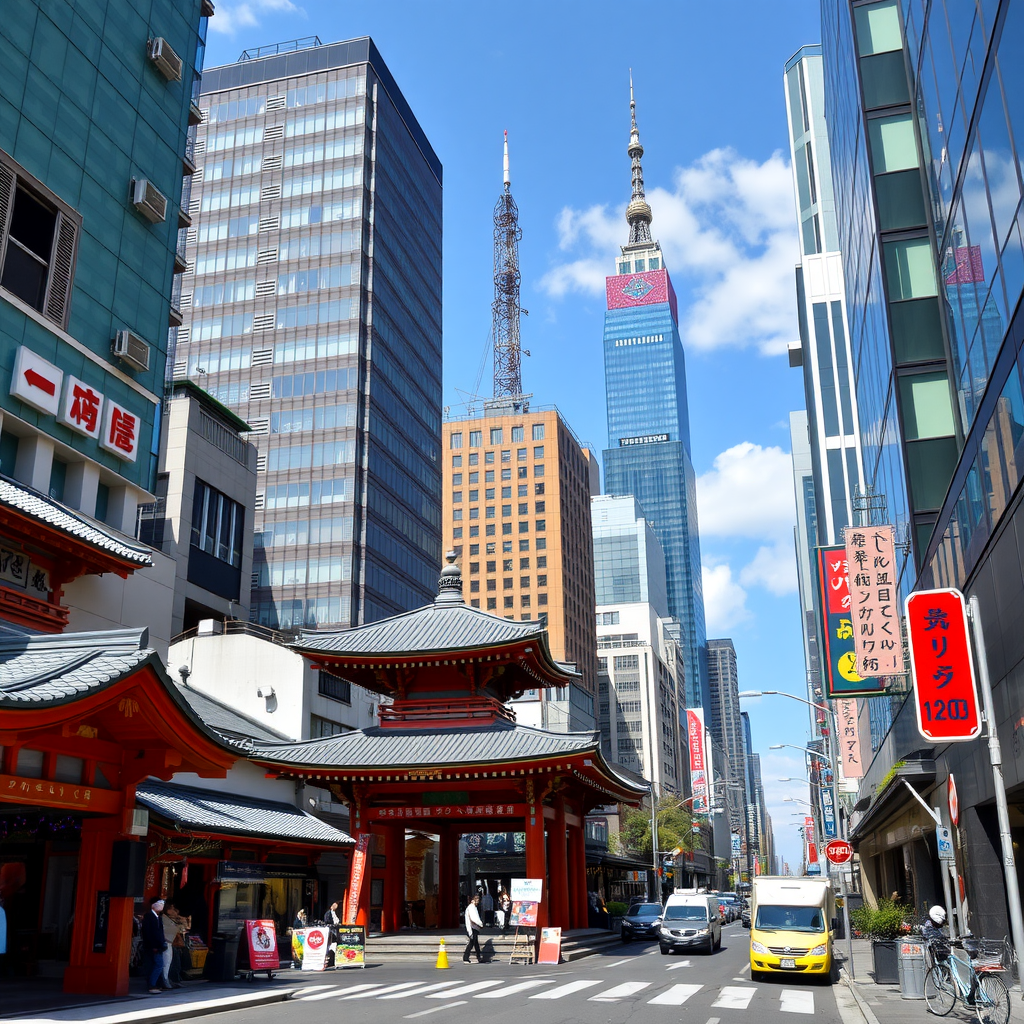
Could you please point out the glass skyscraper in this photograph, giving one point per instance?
(314, 313)
(648, 419)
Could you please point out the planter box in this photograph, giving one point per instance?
(886, 961)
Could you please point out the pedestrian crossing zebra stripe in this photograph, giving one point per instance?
(675, 996)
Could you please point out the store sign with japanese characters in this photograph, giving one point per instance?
(871, 555)
(942, 666)
(76, 404)
(839, 663)
(18, 571)
(849, 739)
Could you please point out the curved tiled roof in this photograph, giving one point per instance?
(60, 517)
(208, 810)
(435, 628)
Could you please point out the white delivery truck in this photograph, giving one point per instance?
(792, 921)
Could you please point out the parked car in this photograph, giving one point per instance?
(690, 920)
(731, 907)
(641, 922)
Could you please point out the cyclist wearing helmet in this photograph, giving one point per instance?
(934, 924)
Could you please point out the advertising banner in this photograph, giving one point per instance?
(851, 763)
(351, 948)
(261, 937)
(698, 765)
(550, 951)
(358, 876)
(316, 941)
(524, 915)
(871, 556)
(737, 847)
(839, 661)
(527, 890)
(828, 814)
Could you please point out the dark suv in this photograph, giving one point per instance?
(641, 921)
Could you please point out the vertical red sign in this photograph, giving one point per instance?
(812, 848)
(943, 667)
(356, 877)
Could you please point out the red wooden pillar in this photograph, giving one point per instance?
(578, 874)
(558, 876)
(394, 879)
(447, 879)
(535, 859)
(104, 972)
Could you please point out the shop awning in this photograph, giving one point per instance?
(919, 772)
(200, 810)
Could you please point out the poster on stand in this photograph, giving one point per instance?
(315, 943)
(261, 937)
(351, 949)
(550, 946)
(524, 915)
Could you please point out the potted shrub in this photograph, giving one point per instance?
(883, 924)
(616, 912)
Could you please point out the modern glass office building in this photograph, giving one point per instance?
(648, 420)
(925, 115)
(314, 312)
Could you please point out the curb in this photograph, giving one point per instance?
(170, 1011)
(866, 1011)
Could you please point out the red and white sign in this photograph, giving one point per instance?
(838, 851)
(36, 382)
(81, 407)
(698, 768)
(120, 432)
(550, 951)
(262, 939)
(953, 801)
(314, 954)
(357, 877)
(942, 666)
(812, 853)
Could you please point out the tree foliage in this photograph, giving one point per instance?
(675, 828)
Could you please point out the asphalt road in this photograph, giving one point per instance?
(627, 983)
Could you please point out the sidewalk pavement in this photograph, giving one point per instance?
(883, 1004)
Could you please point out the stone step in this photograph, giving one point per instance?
(411, 947)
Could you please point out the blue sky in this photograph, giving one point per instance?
(712, 119)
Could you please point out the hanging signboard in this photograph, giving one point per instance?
(849, 739)
(878, 643)
(828, 814)
(261, 938)
(316, 941)
(550, 946)
(351, 948)
(357, 878)
(698, 768)
(942, 666)
(839, 662)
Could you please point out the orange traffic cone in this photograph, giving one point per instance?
(442, 958)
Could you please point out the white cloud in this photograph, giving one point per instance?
(725, 601)
(749, 493)
(729, 224)
(231, 16)
(773, 567)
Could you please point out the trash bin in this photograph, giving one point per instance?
(912, 968)
(221, 963)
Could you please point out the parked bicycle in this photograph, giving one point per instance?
(973, 978)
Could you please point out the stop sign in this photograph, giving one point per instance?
(838, 851)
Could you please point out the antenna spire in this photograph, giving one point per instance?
(638, 213)
(505, 309)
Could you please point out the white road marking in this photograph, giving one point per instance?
(618, 963)
(740, 978)
(476, 986)
(307, 989)
(796, 1000)
(331, 993)
(447, 1006)
(522, 986)
(713, 1020)
(620, 991)
(565, 990)
(370, 990)
(421, 990)
(674, 996)
(734, 998)
(675, 967)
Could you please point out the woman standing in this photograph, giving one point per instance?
(505, 909)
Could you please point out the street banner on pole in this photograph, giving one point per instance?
(828, 814)
(871, 555)
(943, 667)
(698, 767)
(839, 664)
(849, 739)
(358, 874)
(812, 848)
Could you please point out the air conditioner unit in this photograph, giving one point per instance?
(132, 349)
(166, 61)
(148, 200)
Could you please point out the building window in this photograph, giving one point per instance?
(474, 566)
(457, 532)
(524, 582)
(506, 565)
(542, 599)
(490, 531)
(542, 525)
(542, 561)
(542, 543)
(524, 601)
(538, 488)
(517, 434)
(474, 531)
(538, 469)
(506, 528)
(456, 441)
(603, 618)
(474, 478)
(330, 685)
(492, 603)
(320, 727)
(474, 549)
(524, 545)
(506, 474)
(496, 435)
(476, 438)
(538, 432)
(488, 476)
(506, 492)
(217, 524)
(506, 583)
(491, 564)
(474, 458)
(456, 461)
(524, 508)
(506, 546)
(456, 480)
(510, 602)
(520, 455)
(456, 497)
(474, 586)
(474, 513)
(488, 494)
(521, 475)
(490, 511)
(524, 527)
(538, 507)
(475, 603)
(492, 584)
(506, 455)
(538, 452)
(489, 457)
(506, 510)
(40, 245)
(523, 490)
(543, 617)
(524, 563)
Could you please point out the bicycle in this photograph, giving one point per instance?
(974, 979)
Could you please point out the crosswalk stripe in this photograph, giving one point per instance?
(522, 986)
(435, 1009)
(674, 996)
(565, 990)
(476, 986)
(372, 990)
(620, 991)
(420, 991)
(329, 994)
(795, 1000)
(675, 967)
(733, 997)
(307, 989)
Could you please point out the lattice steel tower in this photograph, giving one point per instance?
(505, 310)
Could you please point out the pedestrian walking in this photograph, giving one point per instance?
(505, 905)
(153, 945)
(171, 924)
(474, 924)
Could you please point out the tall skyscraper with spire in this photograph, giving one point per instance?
(648, 418)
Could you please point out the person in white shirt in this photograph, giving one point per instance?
(473, 926)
